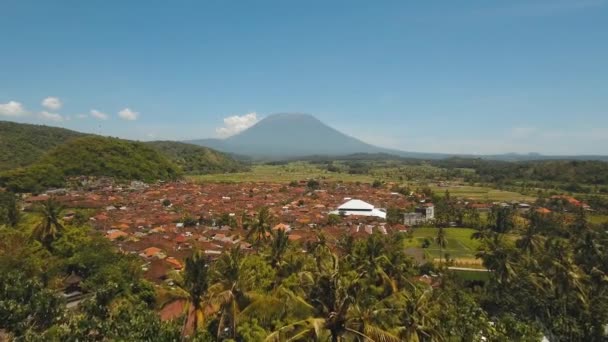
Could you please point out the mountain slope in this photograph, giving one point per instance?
(193, 159)
(24, 144)
(92, 156)
(288, 135)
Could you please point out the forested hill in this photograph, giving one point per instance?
(92, 156)
(194, 159)
(24, 144)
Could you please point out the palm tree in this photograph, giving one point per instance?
(442, 241)
(278, 247)
(419, 316)
(259, 228)
(50, 227)
(227, 295)
(530, 241)
(338, 316)
(336, 313)
(193, 286)
(497, 256)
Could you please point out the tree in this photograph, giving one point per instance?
(442, 241)
(259, 229)
(50, 227)
(530, 241)
(313, 184)
(195, 282)
(333, 298)
(278, 247)
(9, 210)
(235, 278)
(418, 316)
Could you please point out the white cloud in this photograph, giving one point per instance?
(81, 116)
(51, 116)
(99, 115)
(52, 103)
(235, 124)
(128, 114)
(12, 108)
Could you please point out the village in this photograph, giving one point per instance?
(164, 223)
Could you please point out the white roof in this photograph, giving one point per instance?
(356, 204)
(374, 212)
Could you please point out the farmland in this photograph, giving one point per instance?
(460, 246)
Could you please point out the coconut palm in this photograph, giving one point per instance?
(259, 228)
(498, 257)
(442, 241)
(278, 247)
(336, 311)
(530, 241)
(50, 227)
(418, 316)
(192, 287)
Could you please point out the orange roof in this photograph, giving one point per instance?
(543, 211)
(174, 263)
(116, 234)
(151, 251)
(281, 226)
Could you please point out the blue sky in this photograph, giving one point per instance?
(431, 76)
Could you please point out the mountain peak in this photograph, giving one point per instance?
(291, 135)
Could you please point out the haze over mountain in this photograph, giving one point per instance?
(293, 135)
(288, 135)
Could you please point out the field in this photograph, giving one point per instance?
(282, 174)
(460, 246)
(303, 170)
(481, 193)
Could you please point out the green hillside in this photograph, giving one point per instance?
(92, 156)
(197, 160)
(24, 144)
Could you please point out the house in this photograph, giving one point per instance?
(355, 207)
(420, 215)
(282, 226)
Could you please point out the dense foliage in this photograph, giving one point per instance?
(22, 144)
(547, 171)
(549, 277)
(194, 159)
(92, 156)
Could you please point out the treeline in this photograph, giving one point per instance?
(548, 171)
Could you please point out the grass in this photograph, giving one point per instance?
(472, 275)
(481, 193)
(281, 174)
(598, 219)
(460, 246)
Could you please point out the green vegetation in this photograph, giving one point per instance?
(34, 158)
(196, 160)
(365, 289)
(22, 144)
(459, 246)
(92, 156)
(282, 173)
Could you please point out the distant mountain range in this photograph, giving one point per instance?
(291, 135)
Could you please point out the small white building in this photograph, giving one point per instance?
(357, 207)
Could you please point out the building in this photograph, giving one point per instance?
(355, 207)
(422, 214)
